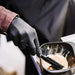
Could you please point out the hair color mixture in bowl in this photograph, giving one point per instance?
(61, 53)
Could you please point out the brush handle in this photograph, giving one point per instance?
(52, 62)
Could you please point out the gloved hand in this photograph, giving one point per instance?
(23, 35)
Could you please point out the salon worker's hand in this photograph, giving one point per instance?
(23, 35)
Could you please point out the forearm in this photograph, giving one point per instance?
(6, 18)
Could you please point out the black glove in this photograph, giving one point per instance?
(23, 35)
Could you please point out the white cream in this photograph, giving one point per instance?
(58, 58)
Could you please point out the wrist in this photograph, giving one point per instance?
(6, 18)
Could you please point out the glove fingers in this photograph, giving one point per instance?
(38, 52)
(33, 47)
(23, 45)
